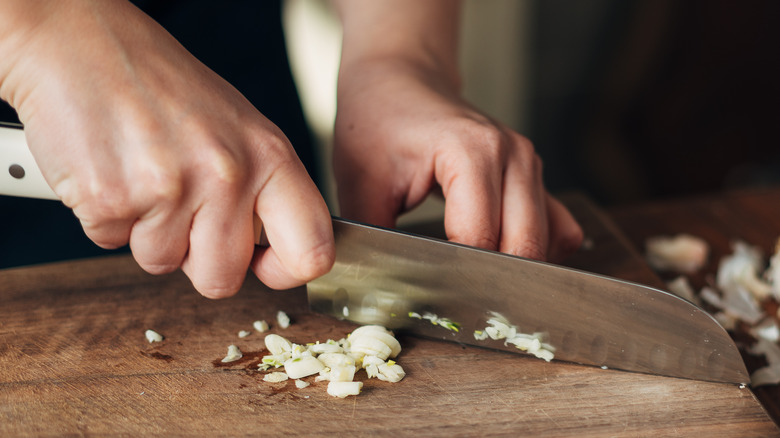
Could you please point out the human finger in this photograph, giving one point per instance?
(524, 230)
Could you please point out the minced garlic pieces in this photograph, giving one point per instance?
(153, 336)
(499, 328)
(368, 347)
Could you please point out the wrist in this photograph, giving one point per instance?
(20, 24)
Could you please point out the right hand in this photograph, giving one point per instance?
(149, 146)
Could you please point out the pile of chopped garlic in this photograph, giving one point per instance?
(499, 328)
(370, 347)
(743, 283)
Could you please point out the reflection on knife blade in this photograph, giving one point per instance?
(381, 276)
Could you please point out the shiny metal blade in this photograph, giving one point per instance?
(408, 282)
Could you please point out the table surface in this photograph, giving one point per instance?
(74, 360)
(749, 215)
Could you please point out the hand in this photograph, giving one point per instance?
(150, 147)
(401, 135)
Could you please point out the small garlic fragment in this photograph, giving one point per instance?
(153, 336)
(390, 372)
(344, 389)
(332, 360)
(233, 354)
(243, 333)
(681, 253)
(300, 384)
(275, 377)
(344, 373)
(282, 319)
(260, 326)
(277, 344)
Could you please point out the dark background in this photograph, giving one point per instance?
(638, 100)
(631, 100)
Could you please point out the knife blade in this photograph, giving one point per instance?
(453, 292)
(393, 278)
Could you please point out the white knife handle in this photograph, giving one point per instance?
(19, 174)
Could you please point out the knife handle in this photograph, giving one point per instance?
(20, 175)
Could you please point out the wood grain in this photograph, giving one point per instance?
(74, 361)
(749, 215)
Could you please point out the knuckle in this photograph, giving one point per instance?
(104, 203)
(316, 262)
(165, 187)
(224, 167)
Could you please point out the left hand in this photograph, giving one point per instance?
(401, 135)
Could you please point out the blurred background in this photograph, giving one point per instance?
(624, 100)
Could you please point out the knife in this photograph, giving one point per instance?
(443, 290)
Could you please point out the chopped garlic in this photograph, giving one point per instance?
(300, 384)
(260, 326)
(233, 354)
(342, 373)
(332, 360)
(153, 336)
(390, 372)
(767, 330)
(366, 347)
(435, 320)
(374, 340)
(243, 333)
(681, 253)
(499, 328)
(274, 360)
(282, 319)
(740, 270)
(344, 389)
(275, 377)
(303, 366)
(328, 347)
(277, 344)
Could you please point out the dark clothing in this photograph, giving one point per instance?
(242, 41)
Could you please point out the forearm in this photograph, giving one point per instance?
(419, 37)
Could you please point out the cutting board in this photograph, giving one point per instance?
(74, 360)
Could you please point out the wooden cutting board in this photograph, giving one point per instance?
(74, 360)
